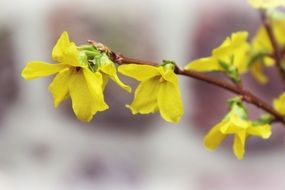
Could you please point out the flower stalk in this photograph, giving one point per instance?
(247, 96)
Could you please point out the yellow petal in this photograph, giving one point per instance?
(83, 103)
(257, 72)
(145, 100)
(169, 102)
(94, 83)
(266, 4)
(236, 42)
(66, 52)
(71, 57)
(59, 86)
(105, 79)
(239, 143)
(279, 27)
(168, 75)
(204, 64)
(215, 137)
(263, 131)
(139, 72)
(279, 104)
(241, 59)
(236, 124)
(233, 51)
(110, 70)
(269, 61)
(37, 69)
(62, 44)
(261, 41)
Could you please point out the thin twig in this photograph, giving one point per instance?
(239, 90)
(277, 52)
(236, 89)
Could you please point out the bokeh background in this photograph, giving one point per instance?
(43, 148)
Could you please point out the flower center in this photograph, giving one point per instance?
(77, 69)
(161, 80)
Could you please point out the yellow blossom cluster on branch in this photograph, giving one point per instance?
(83, 81)
(158, 90)
(82, 73)
(229, 57)
(261, 51)
(236, 123)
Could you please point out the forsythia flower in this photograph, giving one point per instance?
(228, 57)
(266, 4)
(279, 104)
(256, 70)
(158, 90)
(108, 70)
(235, 124)
(74, 78)
(261, 48)
(258, 55)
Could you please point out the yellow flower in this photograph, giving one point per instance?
(261, 41)
(74, 79)
(158, 90)
(257, 72)
(261, 48)
(229, 56)
(266, 4)
(279, 104)
(108, 70)
(234, 124)
(258, 55)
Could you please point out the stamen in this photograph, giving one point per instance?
(162, 79)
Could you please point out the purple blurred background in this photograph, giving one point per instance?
(43, 148)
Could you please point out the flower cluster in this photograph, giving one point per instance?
(229, 57)
(237, 56)
(236, 123)
(261, 50)
(82, 73)
(158, 90)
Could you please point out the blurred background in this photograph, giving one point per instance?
(44, 148)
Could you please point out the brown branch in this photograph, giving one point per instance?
(239, 90)
(277, 51)
(236, 89)
(246, 95)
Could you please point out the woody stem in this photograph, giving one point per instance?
(277, 52)
(247, 96)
